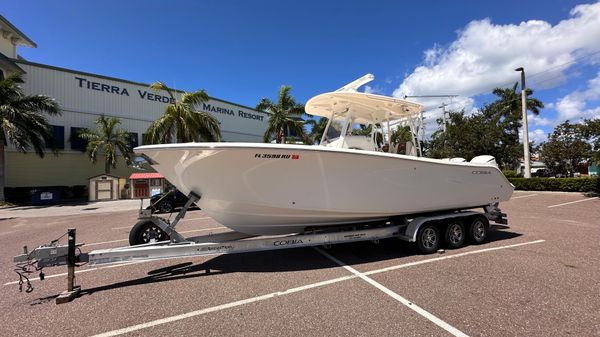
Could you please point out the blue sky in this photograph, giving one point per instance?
(242, 51)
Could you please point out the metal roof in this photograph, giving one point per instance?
(149, 175)
(24, 40)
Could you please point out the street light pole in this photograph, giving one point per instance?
(526, 157)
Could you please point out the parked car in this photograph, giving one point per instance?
(167, 202)
(541, 173)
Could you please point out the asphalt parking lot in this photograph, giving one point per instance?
(539, 277)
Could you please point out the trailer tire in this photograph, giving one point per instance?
(144, 231)
(428, 238)
(165, 206)
(455, 234)
(478, 229)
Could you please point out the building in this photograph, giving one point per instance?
(84, 97)
(535, 165)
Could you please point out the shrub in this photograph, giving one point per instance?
(508, 173)
(587, 184)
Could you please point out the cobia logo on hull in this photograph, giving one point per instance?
(287, 242)
(481, 172)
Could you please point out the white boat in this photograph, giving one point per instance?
(258, 188)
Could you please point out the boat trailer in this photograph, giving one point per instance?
(156, 238)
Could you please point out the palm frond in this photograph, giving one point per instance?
(194, 98)
(38, 103)
(265, 104)
(158, 86)
(182, 121)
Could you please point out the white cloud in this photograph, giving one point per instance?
(372, 90)
(537, 136)
(574, 105)
(485, 54)
(534, 120)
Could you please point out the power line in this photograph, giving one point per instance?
(537, 74)
(564, 64)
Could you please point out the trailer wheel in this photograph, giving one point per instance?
(428, 239)
(478, 229)
(165, 206)
(455, 234)
(145, 231)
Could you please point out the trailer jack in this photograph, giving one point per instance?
(52, 255)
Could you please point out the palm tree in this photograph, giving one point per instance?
(317, 128)
(506, 110)
(401, 135)
(508, 104)
(107, 139)
(22, 120)
(181, 121)
(282, 112)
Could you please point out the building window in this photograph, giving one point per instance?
(58, 134)
(155, 182)
(133, 139)
(76, 142)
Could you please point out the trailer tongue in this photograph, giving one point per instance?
(155, 238)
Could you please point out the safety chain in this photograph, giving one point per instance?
(23, 269)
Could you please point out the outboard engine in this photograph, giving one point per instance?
(489, 160)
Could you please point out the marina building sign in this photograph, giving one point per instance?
(150, 96)
(113, 89)
(231, 112)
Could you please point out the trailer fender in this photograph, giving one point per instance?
(413, 227)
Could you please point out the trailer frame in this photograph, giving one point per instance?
(407, 228)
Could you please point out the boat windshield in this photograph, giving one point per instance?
(357, 136)
(334, 130)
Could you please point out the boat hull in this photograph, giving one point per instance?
(280, 189)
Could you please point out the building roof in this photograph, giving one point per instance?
(18, 36)
(148, 175)
(9, 65)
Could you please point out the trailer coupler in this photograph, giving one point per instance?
(51, 255)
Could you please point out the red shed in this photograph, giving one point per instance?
(145, 185)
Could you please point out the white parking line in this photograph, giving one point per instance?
(275, 294)
(524, 196)
(202, 218)
(453, 256)
(434, 319)
(77, 272)
(220, 307)
(122, 240)
(104, 267)
(184, 219)
(572, 202)
(124, 227)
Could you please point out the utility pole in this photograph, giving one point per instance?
(526, 157)
(421, 115)
(443, 106)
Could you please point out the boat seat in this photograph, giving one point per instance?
(354, 142)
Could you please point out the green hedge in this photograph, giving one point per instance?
(557, 184)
